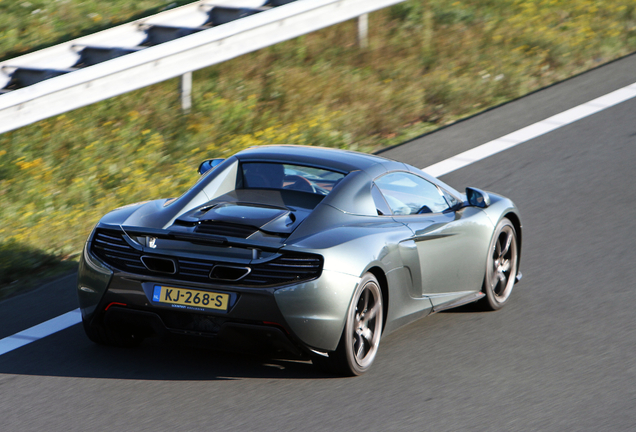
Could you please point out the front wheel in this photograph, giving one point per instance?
(501, 266)
(361, 335)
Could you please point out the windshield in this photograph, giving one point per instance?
(261, 175)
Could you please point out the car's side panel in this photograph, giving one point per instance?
(316, 310)
(411, 261)
(93, 279)
(354, 244)
(349, 242)
(403, 308)
(452, 250)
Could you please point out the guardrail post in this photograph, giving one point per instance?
(363, 30)
(186, 92)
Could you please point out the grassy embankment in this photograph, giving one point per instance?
(428, 64)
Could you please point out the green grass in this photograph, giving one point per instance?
(428, 64)
(21, 267)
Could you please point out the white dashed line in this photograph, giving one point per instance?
(40, 331)
(466, 158)
(529, 132)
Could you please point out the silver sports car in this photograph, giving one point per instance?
(306, 251)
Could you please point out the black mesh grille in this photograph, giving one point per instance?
(110, 247)
(225, 229)
(287, 268)
(195, 269)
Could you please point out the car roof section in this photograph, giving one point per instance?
(338, 160)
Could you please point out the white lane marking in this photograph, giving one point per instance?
(40, 331)
(466, 158)
(530, 132)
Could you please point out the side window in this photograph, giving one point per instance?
(451, 200)
(409, 194)
(380, 204)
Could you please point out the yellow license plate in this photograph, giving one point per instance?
(192, 298)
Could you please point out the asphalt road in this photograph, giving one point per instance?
(559, 357)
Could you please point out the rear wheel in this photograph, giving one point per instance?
(361, 335)
(501, 267)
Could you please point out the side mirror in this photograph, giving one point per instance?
(209, 164)
(477, 198)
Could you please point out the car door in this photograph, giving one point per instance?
(451, 245)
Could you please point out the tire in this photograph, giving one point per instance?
(501, 267)
(360, 338)
(102, 335)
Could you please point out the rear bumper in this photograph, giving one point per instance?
(293, 318)
(261, 338)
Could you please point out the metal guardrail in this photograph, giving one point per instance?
(167, 45)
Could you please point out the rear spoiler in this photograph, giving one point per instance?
(196, 238)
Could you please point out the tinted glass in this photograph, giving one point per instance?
(450, 199)
(409, 194)
(260, 175)
(380, 204)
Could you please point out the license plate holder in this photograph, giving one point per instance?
(187, 298)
